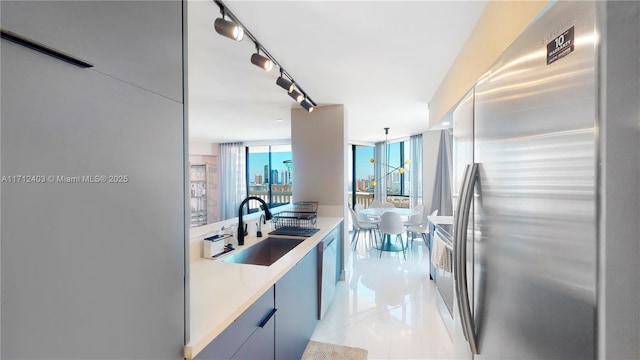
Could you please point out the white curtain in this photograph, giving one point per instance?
(233, 178)
(415, 142)
(380, 172)
(441, 200)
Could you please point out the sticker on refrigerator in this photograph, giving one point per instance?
(561, 46)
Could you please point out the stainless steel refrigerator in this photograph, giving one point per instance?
(546, 178)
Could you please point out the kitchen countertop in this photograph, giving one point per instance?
(220, 292)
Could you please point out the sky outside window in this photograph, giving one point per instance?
(259, 157)
(364, 168)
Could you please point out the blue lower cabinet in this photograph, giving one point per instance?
(297, 304)
(279, 324)
(251, 336)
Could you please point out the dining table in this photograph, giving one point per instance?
(376, 213)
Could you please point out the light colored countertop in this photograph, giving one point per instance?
(440, 219)
(220, 292)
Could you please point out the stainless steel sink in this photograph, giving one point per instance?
(264, 253)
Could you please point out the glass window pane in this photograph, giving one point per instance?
(393, 179)
(407, 168)
(281, 175)
(270, 173)
(364, 174)
(259, 175)
(350, 176)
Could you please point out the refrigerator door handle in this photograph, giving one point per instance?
(463, 209)
(456, 241)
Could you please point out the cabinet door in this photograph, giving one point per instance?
(328, 270)
(244, 339)
(139, 42)
(297, 304)
(260, 346)
(90, 270)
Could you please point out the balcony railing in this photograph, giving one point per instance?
(365, 199)
(277, 197)
(284, 197)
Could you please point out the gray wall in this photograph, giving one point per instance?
(319, 149)
(93, 270)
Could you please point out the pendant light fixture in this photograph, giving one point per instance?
(383, 165)
(387, 146)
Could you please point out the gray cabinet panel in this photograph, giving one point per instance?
(244, 339)
(260, 346)
(297, 304)
(139, 42)
(89, 270)
(329, 268)
(285, 335)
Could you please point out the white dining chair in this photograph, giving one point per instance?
(388, 205)
(364, 218)
(391, 224)
(375, 204)
(423, 229)
(370, 227)
(416, 219)
(417, 216)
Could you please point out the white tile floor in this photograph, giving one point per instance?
(388, 306)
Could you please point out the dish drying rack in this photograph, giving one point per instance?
(303, 216)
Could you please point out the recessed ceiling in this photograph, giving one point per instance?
(383, 60)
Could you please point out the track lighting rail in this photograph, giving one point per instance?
(226, 12)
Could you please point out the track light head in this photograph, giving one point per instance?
(262, 61)
(296, 95)
(307, 105)
(234, 29)
(285, 84)
(229, 29)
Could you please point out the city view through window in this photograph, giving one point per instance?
(364, 169)
(397, 183)
(269, 175)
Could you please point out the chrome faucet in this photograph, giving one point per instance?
(241, 228)
(262, 220)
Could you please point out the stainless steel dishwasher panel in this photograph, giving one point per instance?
(327, 275)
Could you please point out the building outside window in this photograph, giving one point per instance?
(269, 175)
(399, 183)
(362, 175)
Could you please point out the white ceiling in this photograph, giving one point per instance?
(383, 60)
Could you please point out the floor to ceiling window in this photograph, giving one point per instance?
(362, 174)
(399, 182)
(269, 175)
(362, 180)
